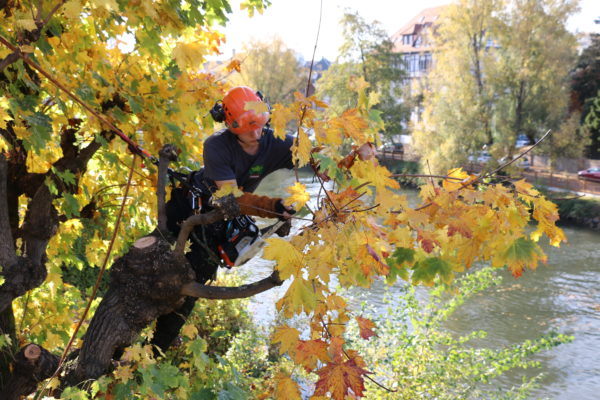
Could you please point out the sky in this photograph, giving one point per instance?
(297, 22)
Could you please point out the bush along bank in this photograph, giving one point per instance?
(580, 211)
(403, 167)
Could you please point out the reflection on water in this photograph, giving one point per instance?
(563, 296)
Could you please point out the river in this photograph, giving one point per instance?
(562, 295)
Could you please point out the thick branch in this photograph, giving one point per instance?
(195, 289)
(7, 249)
(9, 59)
(188, 225)
(166, 154)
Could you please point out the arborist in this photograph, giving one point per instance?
(242, 154)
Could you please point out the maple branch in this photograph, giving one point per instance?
(425, 176)
(521, 155)
(479, 178)
(38, 17)
(56, 7)
(196, 289)
(308, 84)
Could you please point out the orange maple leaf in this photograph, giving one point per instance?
(339, 378)
(366, 327)
(309, 352)
(234, 65)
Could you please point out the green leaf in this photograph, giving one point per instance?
(203, 394)
(522, 249)
(426, 270)
(70, 205)
(40, 126)
(66, 176)
(51, 186)
(218, 334)
(172, 127)
(134, 105)
(398, 262)
(85, 93)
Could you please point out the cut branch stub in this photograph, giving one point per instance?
(31, 365)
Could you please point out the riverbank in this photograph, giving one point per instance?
(580, 211)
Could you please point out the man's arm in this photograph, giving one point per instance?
(260, 206)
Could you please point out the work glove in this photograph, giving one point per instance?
(282, 209)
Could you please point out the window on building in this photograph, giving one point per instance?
(424, 61)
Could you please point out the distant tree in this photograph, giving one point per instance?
(585, 84)
(272, 68)
(500, 70)
(592, 123)
(367, 53)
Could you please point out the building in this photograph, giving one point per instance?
(413, 46)
(412, 43)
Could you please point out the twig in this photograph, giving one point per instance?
(520, 155)
(308, 83)
(100, 274)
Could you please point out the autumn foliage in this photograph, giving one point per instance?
(360, 231)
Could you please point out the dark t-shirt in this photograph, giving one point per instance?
(224, 158)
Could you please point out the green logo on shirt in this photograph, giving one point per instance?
(256, 171)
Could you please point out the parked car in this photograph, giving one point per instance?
(482, 157)
(522, 140)
(394, 148)
(524, 163)
(590, 173)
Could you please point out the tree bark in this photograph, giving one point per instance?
(144, 283)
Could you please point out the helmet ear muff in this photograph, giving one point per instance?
(264, 100)
(217, 112)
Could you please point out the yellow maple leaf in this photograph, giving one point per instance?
(123, 373)
(302, 148)
(54, 383)
(189, 331)
(286, 388)
(523, 187)
(110, 5)
(27, 24)
(457, 178)
(299, 297)
(280, 117)
(226, 190)
(4, 116)
(258, 107)
(189, 55)
(289, 260)
(298, 196)
(288, 337)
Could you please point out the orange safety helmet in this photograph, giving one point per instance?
(238, 118)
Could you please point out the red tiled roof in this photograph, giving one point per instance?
(425, 18)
